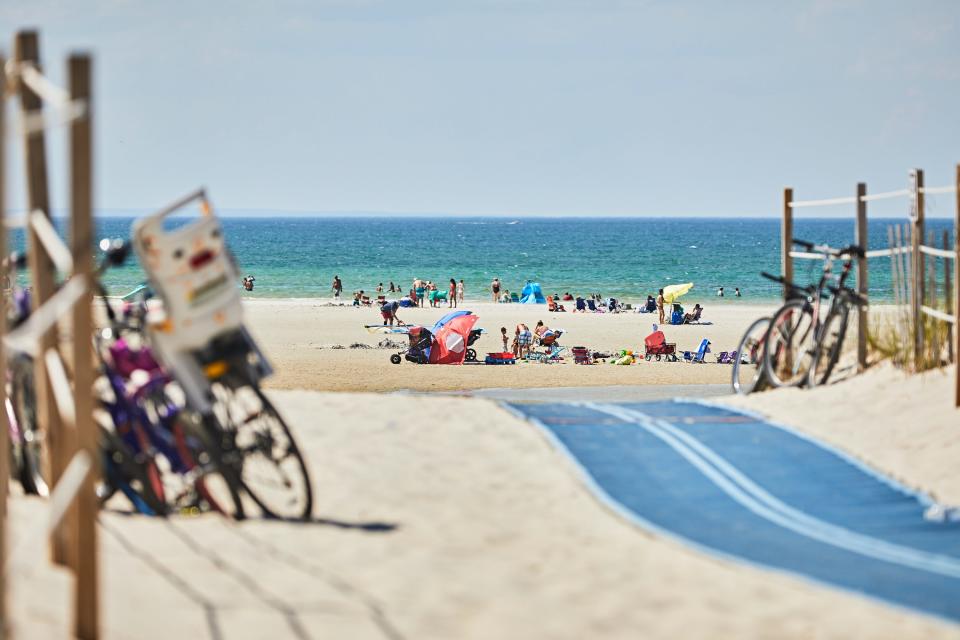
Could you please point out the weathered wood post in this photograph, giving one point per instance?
(862, 239)
(27, 51)
(948, 290)
(956, 289)
(917, 263)
(786, 240)
(86, 618)
(4, 431)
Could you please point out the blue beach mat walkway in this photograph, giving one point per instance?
(734, 485)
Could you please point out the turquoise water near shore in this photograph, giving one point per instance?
(621, 257)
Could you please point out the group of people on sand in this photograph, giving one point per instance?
(524, 339)
(429, 291)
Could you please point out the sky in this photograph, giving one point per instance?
(507, 107)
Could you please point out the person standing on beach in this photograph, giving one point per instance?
(418, 289)
(337, 287)
(660, 302)
(460, 290)
(503, 336)
(495, 288)
(452, 294)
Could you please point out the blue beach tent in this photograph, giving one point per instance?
(532, 294)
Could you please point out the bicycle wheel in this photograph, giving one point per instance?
(28, 450)
(829, 347)
(747, 374)
(126, 472)
(195, 477)
(273, 471)
(215, 482)
(790, 344)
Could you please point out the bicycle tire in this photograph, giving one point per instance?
(255, 435)
(829, 346)
(218, 482)
(29, 449)
(751, 345)
(790, 344)
(125, 471)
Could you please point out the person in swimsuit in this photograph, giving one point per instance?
(660, 302)
(495, 288)
(452, 294)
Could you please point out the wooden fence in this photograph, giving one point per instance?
(922, 299)
(64, 394)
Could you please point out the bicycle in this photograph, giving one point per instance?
(796, 328)
(751, 349)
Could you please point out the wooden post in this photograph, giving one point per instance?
(917, 263)
(786, 240)
(4, 429)
(86, 618)
(947, 289)
(932, 302)
(27, 50)
(956, 290)
(862, 240)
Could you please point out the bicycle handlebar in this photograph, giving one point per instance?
(849, 251)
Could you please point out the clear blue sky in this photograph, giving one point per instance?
(509, 107)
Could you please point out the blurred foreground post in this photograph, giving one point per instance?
(27, 53)
(81, 243)
(4, 429)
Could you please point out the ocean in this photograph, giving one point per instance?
(626, 258)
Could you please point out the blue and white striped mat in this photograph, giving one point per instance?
(734, 485)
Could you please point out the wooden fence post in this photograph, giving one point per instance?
(948, 290)
(786, 240)
(4, 430)
(956, 290)
(862, 312)
(86, 618)
(27, 51)
(917, 263)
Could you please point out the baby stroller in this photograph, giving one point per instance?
(418, 351)
(472, 353)
(656, 346)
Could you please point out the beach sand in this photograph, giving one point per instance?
(447, 517)
(297, 336)
(437, 517)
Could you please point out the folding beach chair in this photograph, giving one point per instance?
(700, 354)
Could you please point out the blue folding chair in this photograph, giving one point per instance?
(700, 354)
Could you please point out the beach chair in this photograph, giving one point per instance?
(677, 316)
(546, 357)
(381, 300)
(365, 300)
(581, 305)
(514, 297)
(581, 355)
(693, 318)
(591, 305)
(727, 358)
(699, 354)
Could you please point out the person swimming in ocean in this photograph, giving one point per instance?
(248, 283)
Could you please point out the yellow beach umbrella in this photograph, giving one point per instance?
(674, 291)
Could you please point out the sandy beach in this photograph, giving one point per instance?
(448, 518)
(298, 336)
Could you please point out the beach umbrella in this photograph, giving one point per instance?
(674, 291)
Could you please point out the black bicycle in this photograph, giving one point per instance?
(798, 328)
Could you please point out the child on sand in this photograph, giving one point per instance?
(460, 290)
(503, 336)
